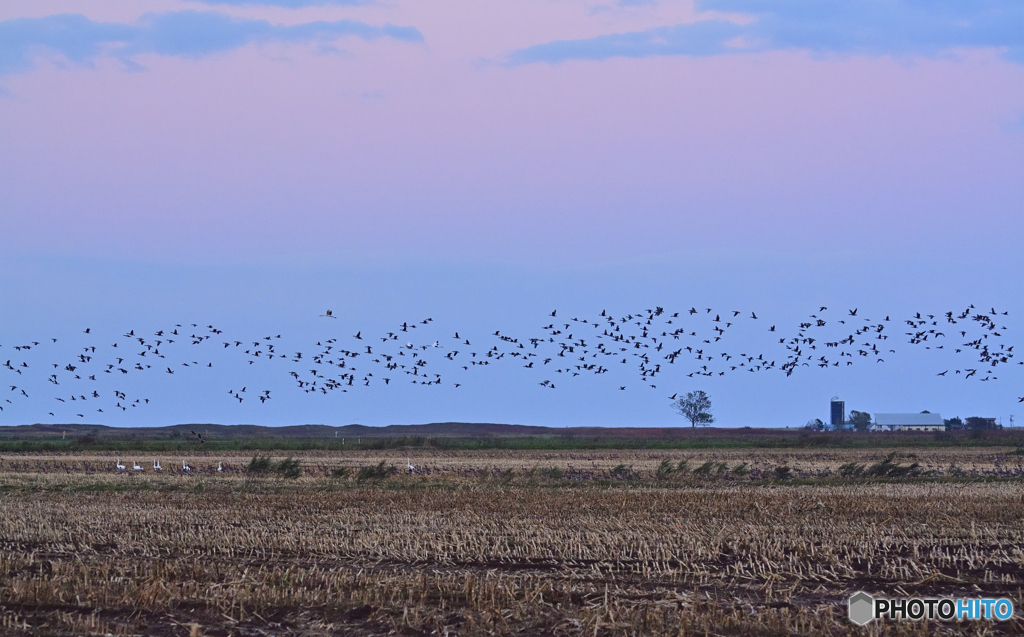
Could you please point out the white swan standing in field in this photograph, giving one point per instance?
(219, 467)
(135, 466)
(120, 466)
(156, 466)
(185, 467)
(409, 466)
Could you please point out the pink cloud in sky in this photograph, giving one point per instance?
(427, 148)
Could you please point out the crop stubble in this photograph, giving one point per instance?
(224, 554)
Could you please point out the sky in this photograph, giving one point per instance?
(249, 164)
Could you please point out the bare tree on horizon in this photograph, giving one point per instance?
(695, 407)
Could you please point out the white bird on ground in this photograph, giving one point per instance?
(156, 466)
(184, 466)
(119, 465)
(409, 466)
(135, 466)
(219, 467)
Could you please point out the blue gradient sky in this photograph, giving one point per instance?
(251, 164)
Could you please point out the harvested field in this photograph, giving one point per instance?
(518, 543)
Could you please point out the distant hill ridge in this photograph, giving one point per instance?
(466, 429)
(468, 435)
(291, 431)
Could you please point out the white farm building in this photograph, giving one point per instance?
(909, 422)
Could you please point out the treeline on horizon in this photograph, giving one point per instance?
(173, 439)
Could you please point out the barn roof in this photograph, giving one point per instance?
(908, 419)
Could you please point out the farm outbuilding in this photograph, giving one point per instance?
(909, 422)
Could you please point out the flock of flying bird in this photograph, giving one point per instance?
(692, 342)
